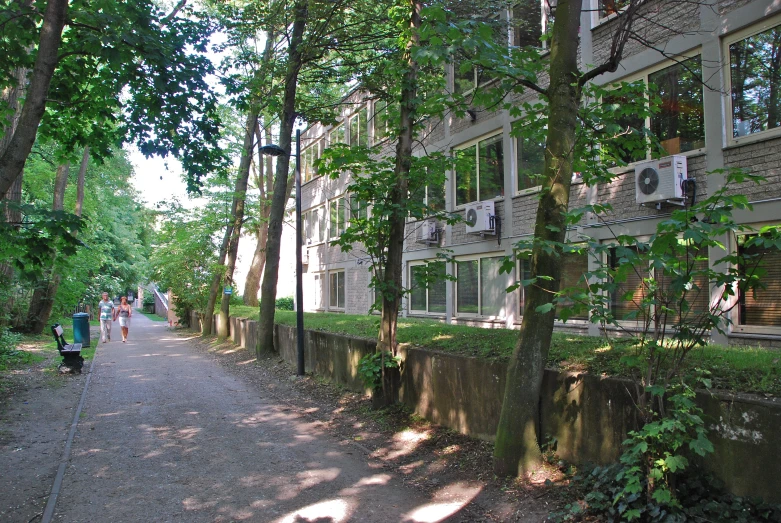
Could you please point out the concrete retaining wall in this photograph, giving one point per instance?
(589, 416)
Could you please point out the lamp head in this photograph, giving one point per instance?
(272, 150)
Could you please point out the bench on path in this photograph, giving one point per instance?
(70, 352)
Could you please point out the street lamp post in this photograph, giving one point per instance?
(275, 150)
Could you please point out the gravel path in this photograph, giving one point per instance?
(167, 434)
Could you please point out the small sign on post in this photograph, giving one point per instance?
(228, 291)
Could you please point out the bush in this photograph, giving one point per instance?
(8, 352)
(149, 298)
(284, 304)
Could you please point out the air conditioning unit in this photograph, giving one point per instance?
(427, 232)
(304, 255)
(480, 218)
(661, 180)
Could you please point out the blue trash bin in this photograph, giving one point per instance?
(81, 328)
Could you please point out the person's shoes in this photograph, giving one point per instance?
(103, 340)
(109, 338)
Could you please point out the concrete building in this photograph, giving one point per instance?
(732, 122)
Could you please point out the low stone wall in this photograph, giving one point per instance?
(589, 416)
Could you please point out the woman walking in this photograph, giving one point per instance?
(124, 311)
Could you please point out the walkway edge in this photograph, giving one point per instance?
(48, 513)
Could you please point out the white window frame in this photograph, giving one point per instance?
(596, 16)
(319, 293)
(344, 282)
(735, 327)
(476, 142)
(545, 14)
(317, 148)
(348, 129)
(643, 75)
(311, 237)
(334, 130)
(522, 297)
(418, 312)
(479, 258)
(339, 200)
(742, 34)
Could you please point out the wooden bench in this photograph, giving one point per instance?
(70, 352)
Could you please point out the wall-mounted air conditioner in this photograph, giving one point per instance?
(427, 232)
(304, 255)
(480, 218)
(661, 180)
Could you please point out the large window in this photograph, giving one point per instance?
(626, 301)
(359, 128)
(336, 135)
(336, 218)
(336, 290)
(610, 7)
(530, 158)
(530, 20)
(359, 209)
(755, 78)
(677, 123)
(383, 113)
(432, 196)
(480, 171)
(573, 268)
(317, 298)
(761, 307)
(314, 224)
(480, 288)
(308, 157)
(427, 284)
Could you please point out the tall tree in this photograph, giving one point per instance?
(118, 71)
(287, 118)
(19, 147)
(517, 449)
(46, 289)
(265, 183)
(393, 268)
(237, 217)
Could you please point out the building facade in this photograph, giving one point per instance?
(730, 119)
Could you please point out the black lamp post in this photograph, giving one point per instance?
(275, 150)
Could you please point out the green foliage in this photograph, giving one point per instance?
(185, 255)
(9, 355)
(284, 304)
(371, 368)
(126, 71)
(701, 496)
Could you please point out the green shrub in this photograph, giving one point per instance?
(370, 368)
(284, 304)
(8, 351)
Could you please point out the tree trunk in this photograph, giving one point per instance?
(208, 314)
(252, 285)
(237, 215)
(13, 158)
(80, 183)
(516, 450)
(43, 297)
(392, 272)
(268, 293)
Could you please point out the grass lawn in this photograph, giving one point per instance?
(151, 316)
(736, 369)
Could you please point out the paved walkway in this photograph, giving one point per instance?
(167, 434)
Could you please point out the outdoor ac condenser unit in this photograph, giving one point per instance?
(661, 180)
(480, 218)
(427, 232)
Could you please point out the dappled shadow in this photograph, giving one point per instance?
(178, 438)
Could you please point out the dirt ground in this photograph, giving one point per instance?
(38, 407)
(36, 411)
(424, 455)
